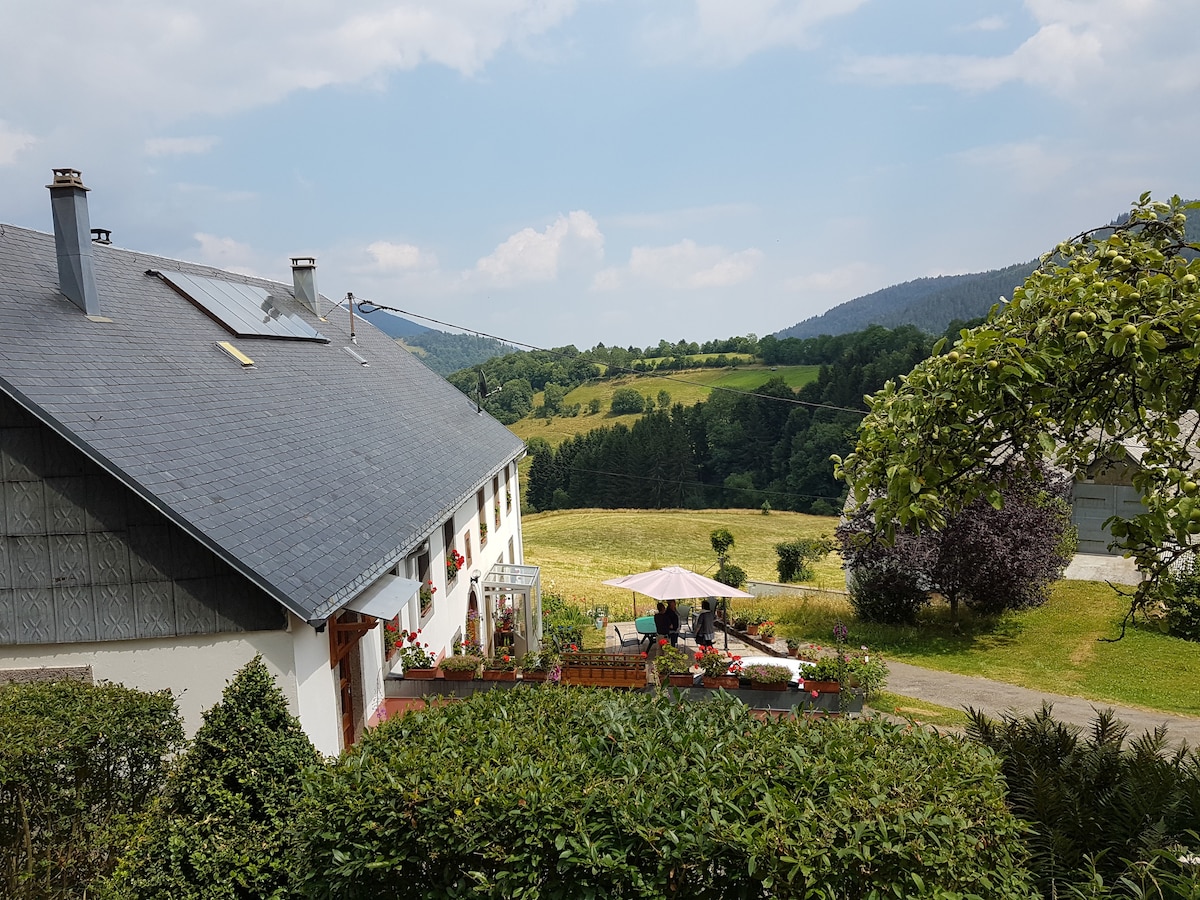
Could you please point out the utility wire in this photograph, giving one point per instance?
(685, 483)
(375, 307)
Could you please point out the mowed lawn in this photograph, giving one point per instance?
(1056, 647)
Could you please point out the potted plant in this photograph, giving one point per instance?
(823, 676)
(766, 631)
(866, 670)
(414, 655)
(500, 668)
(793, 645)
(544, 666)
(454, 562)
(767, 676)
(483, 532)
(673, 666)
(461, 667)
(741, 622)
(718, 669)
(391, 638)
(427, 591)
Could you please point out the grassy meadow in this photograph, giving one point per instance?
(687, 387)
(1056, 647)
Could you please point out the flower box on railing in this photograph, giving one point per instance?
(604, 670)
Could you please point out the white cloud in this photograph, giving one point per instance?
(680, 218)
(687, 265)
(533, 256)
(841, 279)
(1081, 49)
(179, 145)
(1029, 164)
(389, 257)
(174, 61)
(226, 253)
(12, 142)
(988, 23)
(725, 33)
(607, 280)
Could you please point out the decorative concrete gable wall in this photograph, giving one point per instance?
(83, 558)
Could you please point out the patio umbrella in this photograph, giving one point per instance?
(674, 583)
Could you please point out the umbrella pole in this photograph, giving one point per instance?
(725, 620)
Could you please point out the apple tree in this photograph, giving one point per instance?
(1097, 355)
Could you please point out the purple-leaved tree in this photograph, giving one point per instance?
(986, 558)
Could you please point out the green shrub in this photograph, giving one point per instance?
(223, 825)
(734, 576)
(1097, 805)
(887, 594)
(563, 624)
(1180, 594)
(79, 765)
(796, 557)
(626, 401)
(547, 794)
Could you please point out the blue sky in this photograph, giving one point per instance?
(575, 171)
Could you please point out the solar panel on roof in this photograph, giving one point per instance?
(243, 309)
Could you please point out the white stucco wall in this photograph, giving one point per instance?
(195, 669)
(316, 688)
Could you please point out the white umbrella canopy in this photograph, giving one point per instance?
(675, 583)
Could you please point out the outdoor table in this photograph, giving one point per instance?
(645, 628)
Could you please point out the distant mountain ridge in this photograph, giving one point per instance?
(931, 304)
(928, 303)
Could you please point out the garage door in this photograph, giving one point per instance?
(1092, 504)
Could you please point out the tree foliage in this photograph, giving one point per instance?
(626, 401)
(733, 449)
(79, 764)
(795, 558)
(1098, 351)
(990, 559)
(223, 825)
(589, 793)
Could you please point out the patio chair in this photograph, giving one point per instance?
(685, 623)
(627, 641)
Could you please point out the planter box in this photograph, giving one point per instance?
(719, 681)
(499, 675)
(604, 670)
(685, 681)
(535, 677)
(458, 674)
(768, 685)
(823, 687)
(420, 674)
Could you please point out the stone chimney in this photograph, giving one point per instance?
(73, 240)
(304, 282)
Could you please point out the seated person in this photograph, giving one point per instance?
(662, 621)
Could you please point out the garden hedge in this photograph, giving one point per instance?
(548, 793)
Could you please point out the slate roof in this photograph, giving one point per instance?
(309, 473)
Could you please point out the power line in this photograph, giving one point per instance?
(679, 482)
(621, 369)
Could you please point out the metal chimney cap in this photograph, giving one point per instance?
(68, 178)
(304, 262)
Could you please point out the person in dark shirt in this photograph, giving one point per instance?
(672, 623)
(661, 622)
(706, 626)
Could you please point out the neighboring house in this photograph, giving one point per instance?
(197, 466)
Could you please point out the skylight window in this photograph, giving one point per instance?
(242, 309)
